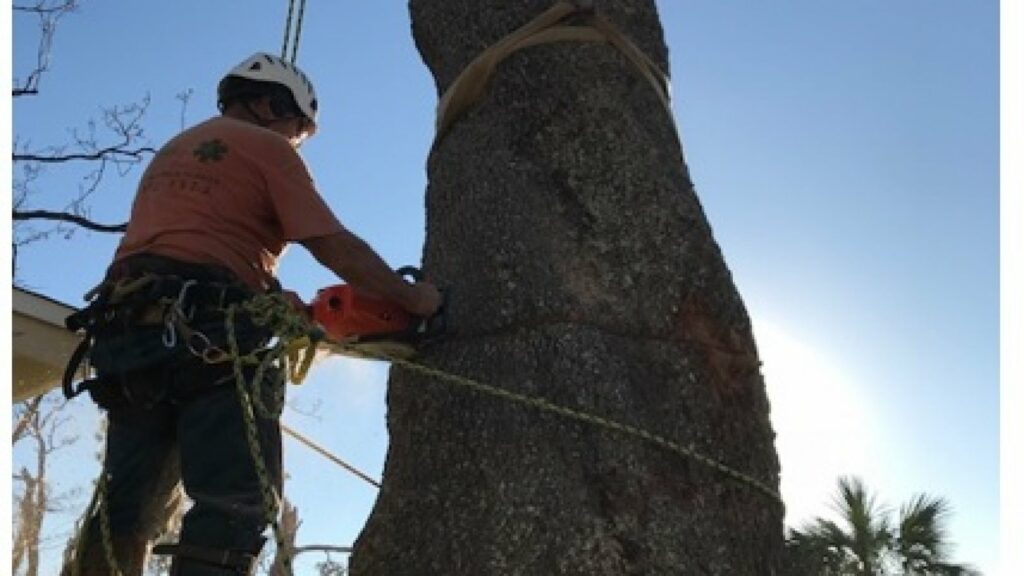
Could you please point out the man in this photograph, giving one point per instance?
(213, 212)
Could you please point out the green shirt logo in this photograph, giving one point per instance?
(210, 151)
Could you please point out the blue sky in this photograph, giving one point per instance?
(846, 155)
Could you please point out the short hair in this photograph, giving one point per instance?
(235, 89)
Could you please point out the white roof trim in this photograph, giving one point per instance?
(41, 343)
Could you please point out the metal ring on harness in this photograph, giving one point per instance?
(179, 303)
(200, 349)
(170, 336)
(176, 312)
(200, 346)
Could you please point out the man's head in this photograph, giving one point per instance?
(274, 93)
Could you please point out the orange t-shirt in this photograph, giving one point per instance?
(230, 193)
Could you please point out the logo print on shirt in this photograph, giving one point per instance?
(210, 151)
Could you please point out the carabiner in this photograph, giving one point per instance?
(197, 343)
(179, 303)
(170, 333)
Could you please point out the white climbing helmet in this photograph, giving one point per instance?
(264, 67)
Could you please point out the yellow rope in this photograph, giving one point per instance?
(296, 328)
(97, 508)
(108, 544)
(545, 405)
(298, 337)
(293, 354)
(327, 454)
(300, 353)
(271, 500)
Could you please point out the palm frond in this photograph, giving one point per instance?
(868, 527)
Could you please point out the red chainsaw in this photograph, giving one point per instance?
(358, 324)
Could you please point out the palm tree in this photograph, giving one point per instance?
(922, 544)
(867, 543)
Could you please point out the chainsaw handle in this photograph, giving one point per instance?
(436, 323)
(412, 272)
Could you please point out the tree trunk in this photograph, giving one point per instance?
(582, 270)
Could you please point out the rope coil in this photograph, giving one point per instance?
(293, 335)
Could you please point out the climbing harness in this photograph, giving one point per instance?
(161, 308)
(564, 21)
(288, 26)
(145, 300)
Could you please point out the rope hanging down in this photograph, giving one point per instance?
(288, 25)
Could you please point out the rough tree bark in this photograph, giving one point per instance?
(582, 270)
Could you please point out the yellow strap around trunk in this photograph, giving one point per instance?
(469, 86)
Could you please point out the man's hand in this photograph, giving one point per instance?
(426, 300)
(296, 302)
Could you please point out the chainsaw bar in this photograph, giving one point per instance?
(370, 350)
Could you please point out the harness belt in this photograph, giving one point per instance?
(142, 299)
(191, 295)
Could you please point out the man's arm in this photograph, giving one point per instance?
(357, 263)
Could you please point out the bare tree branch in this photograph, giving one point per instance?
(127, 149)
(66, 217)
(27, 410)
(124, 121)
(44, 7)
(185, 96)
(49, 14)
(321, 548)
(115, 151)
(40, 427)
